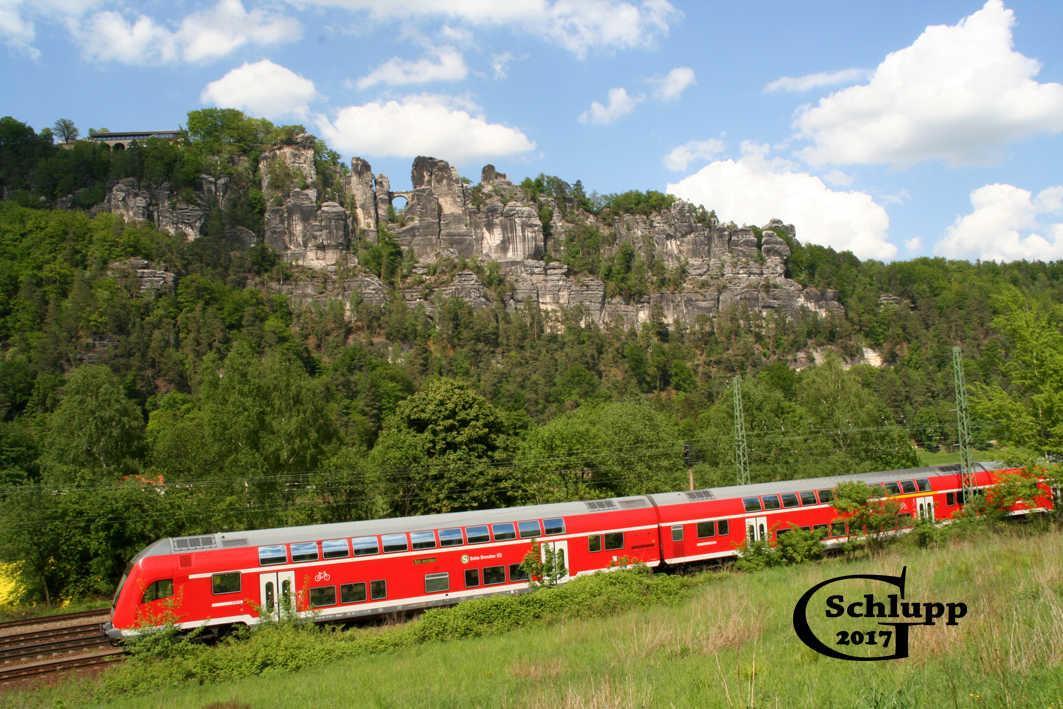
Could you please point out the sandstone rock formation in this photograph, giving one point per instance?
(160, 206)
(718, 266)
(296, 225)
(144, 276)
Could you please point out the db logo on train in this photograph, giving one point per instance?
(898, 616)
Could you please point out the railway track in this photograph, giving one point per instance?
(100, 614)
(38, 647)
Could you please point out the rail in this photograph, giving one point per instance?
(48, 645)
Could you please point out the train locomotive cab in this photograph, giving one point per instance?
(147, 595)
(141, 594)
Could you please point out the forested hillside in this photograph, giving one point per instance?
(211, 401)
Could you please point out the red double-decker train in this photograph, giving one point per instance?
(349, 570)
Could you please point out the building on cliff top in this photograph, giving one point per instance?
(120, 140)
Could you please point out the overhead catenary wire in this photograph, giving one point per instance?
(293, 506)
(572, 457)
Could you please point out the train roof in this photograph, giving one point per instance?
(393, 525)
(336, 530)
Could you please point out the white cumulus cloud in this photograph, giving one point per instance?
(913, 244)
(262, 89)
(756, 188)
(619, 104)
(200, 36)
(680, 157)
(579, 26)
(17, 30)
(1004, 224)
(108, 36)
(18, 20)
(807, 82)
(422, 124)
(838, 178)
(959, 93)
(672, 85)
(442, 64)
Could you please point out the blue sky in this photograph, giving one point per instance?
(891, 129)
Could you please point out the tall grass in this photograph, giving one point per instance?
(719, 639)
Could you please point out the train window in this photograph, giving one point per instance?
(924, 484)
(554, 526)
(228, 582)
(950, 498)
(272, 555)
(393, 542)
(436, 583)
(378, 590)
(908, 486)
(364, 546)
(352, 593)
(529, 528)
(494, 575)
(826, 496)
(322, 596)
(752, 504)
(163, 588)
(822, 528)
(771, 502)
(721, 528)
(335, 549)
(893, 488)
(677, 533)
(472, 578)
(503, 531)
(706, 529)
(477, 534)
(789, 500)
(807, 497)
(423, 540)
(837, 529)
(306, 551)
(594, 542)
(450, 537)
(614, 540)
(517, 573)
(779, 533)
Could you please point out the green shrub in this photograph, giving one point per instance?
(797, 546)
(755, 556)
(636, 202)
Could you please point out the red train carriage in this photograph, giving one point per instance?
(707, 524)
(354, 569)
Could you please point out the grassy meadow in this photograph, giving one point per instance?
(715, 639)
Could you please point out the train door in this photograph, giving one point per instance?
(554, 555)
(673, 535)
(924, 508)
(276, 594)
(756, 529)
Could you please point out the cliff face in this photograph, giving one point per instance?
(162, 208)
(444, 217)
(493, 221)
(296, 226)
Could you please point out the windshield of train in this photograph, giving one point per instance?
(118, 590)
